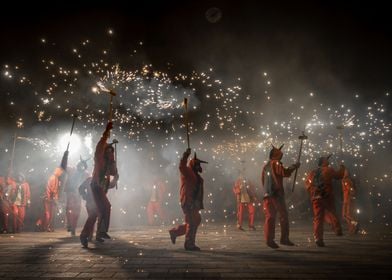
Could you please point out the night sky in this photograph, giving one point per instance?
(328, 47)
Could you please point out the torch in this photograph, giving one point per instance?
(112, 94)
(72, 128)
(115, 142)
(340, 129)
(301, 138)
(11, 167)
(186, 120)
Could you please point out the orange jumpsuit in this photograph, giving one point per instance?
(348, 204)
(245, 194)
(51, 198)
(274, 199)
(323, 200)
(21, 201)
(154, 206)
(191, 197)
(7, 194)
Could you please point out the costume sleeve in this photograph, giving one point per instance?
(308, 181)
(280, 170)
(236, 188)
(28, 194)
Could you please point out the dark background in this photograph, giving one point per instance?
(328, 46)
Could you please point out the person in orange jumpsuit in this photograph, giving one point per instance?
(51, 198)
(75, 177)
(319, 185)
(20, 202)
(191, 197)
(105, 176)
(7, 195)
(246, 198)
(274, 199)
(155, 204)
(349, 189)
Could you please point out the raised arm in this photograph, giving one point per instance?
(285, 171)
(183, 168)
(101, 145)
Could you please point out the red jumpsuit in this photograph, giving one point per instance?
(155, 206)
(348, 204)
(7, 194)
(191, 198)
(104, 167)
(21, 201)
(319, 186)
(75, 177)
(245, 194)
(274, 201)
(51, 198)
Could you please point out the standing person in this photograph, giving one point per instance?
(319, 185)
(75, 177)
(104, 168)
(155, 204)
(274, 199)
(245, 195)
(7, 195)
(50, 200)
(92, 213)
(86, 193)
(21, 201)
(191, 197)
(349, 189)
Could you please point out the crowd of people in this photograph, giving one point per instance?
(76, 184)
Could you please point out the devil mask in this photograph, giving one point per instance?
(276, 153)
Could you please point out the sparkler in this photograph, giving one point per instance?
(227, 129)
(301, 138)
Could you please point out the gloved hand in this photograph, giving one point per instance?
(295, 165)
(109, 126)
(186, 153)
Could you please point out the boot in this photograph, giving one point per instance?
(287, 242)
(320, 243)
(272, 245)
(172, 236)
(84, 241)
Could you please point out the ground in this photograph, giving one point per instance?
(146, 252)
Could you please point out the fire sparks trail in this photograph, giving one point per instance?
(229, 124)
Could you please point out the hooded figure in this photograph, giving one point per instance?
(319, 185)
(349, 188)
(246, 198)
(7, 195)
(155, 207)
(20, 202)
(274, 201)
(51, 198)
(191, 198)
